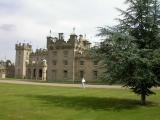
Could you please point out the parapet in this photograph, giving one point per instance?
(57, 42)
(60, 43)
(23, 46)
(39, 52)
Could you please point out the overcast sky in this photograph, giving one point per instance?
(31, 20)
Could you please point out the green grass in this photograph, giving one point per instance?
(9, 79)
(28, 102)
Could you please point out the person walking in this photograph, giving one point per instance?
(83, 82)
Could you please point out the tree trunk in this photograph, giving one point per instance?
(143, 99)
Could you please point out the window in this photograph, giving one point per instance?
(81, 62)
(26, 63)
(95, 74)
(27, 57)
(95, 62)
(54, 62)
(65, 73)
(65, 53)
(19, 60)
(65, 62)
(34, 72)
(81, 74)
(54, 53)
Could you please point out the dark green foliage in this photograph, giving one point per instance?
(156, 63)
(131, 51)
(141, 20)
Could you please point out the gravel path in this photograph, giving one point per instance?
(58, 84)
(27, 82)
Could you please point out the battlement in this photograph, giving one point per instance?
(60, 43)
(57, 43)
(23, 46)
(39, 52)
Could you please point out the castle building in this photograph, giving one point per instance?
(62, 60)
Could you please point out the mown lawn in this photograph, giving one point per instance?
(28, 102)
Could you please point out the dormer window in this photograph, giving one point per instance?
(81, 62)
(65, 53)
(65, 62)
(54, 62)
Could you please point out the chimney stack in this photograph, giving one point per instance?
(60, 36)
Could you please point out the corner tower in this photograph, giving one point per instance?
(22, 59)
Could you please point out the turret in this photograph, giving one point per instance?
(23, 46)
(80, 37)
(61, 36)
(23, 51)
(73, 39)
(49, 41)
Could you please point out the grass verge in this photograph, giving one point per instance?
(29, 102)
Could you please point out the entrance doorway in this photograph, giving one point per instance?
(40, 73)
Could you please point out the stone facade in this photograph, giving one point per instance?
(37, 67)
(61, 61)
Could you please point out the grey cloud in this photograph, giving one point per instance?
(10, 6)
(7, 27)
(31, 20)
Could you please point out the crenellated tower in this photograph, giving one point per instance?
(23, 51)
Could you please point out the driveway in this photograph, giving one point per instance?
(58, 84)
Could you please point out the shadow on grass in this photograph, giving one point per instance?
(82, 102)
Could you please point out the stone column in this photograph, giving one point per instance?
(37, 74)
(44, 73)
(44, 70)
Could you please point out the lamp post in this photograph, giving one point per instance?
(73, 65)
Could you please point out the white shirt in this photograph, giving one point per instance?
(83, 80)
